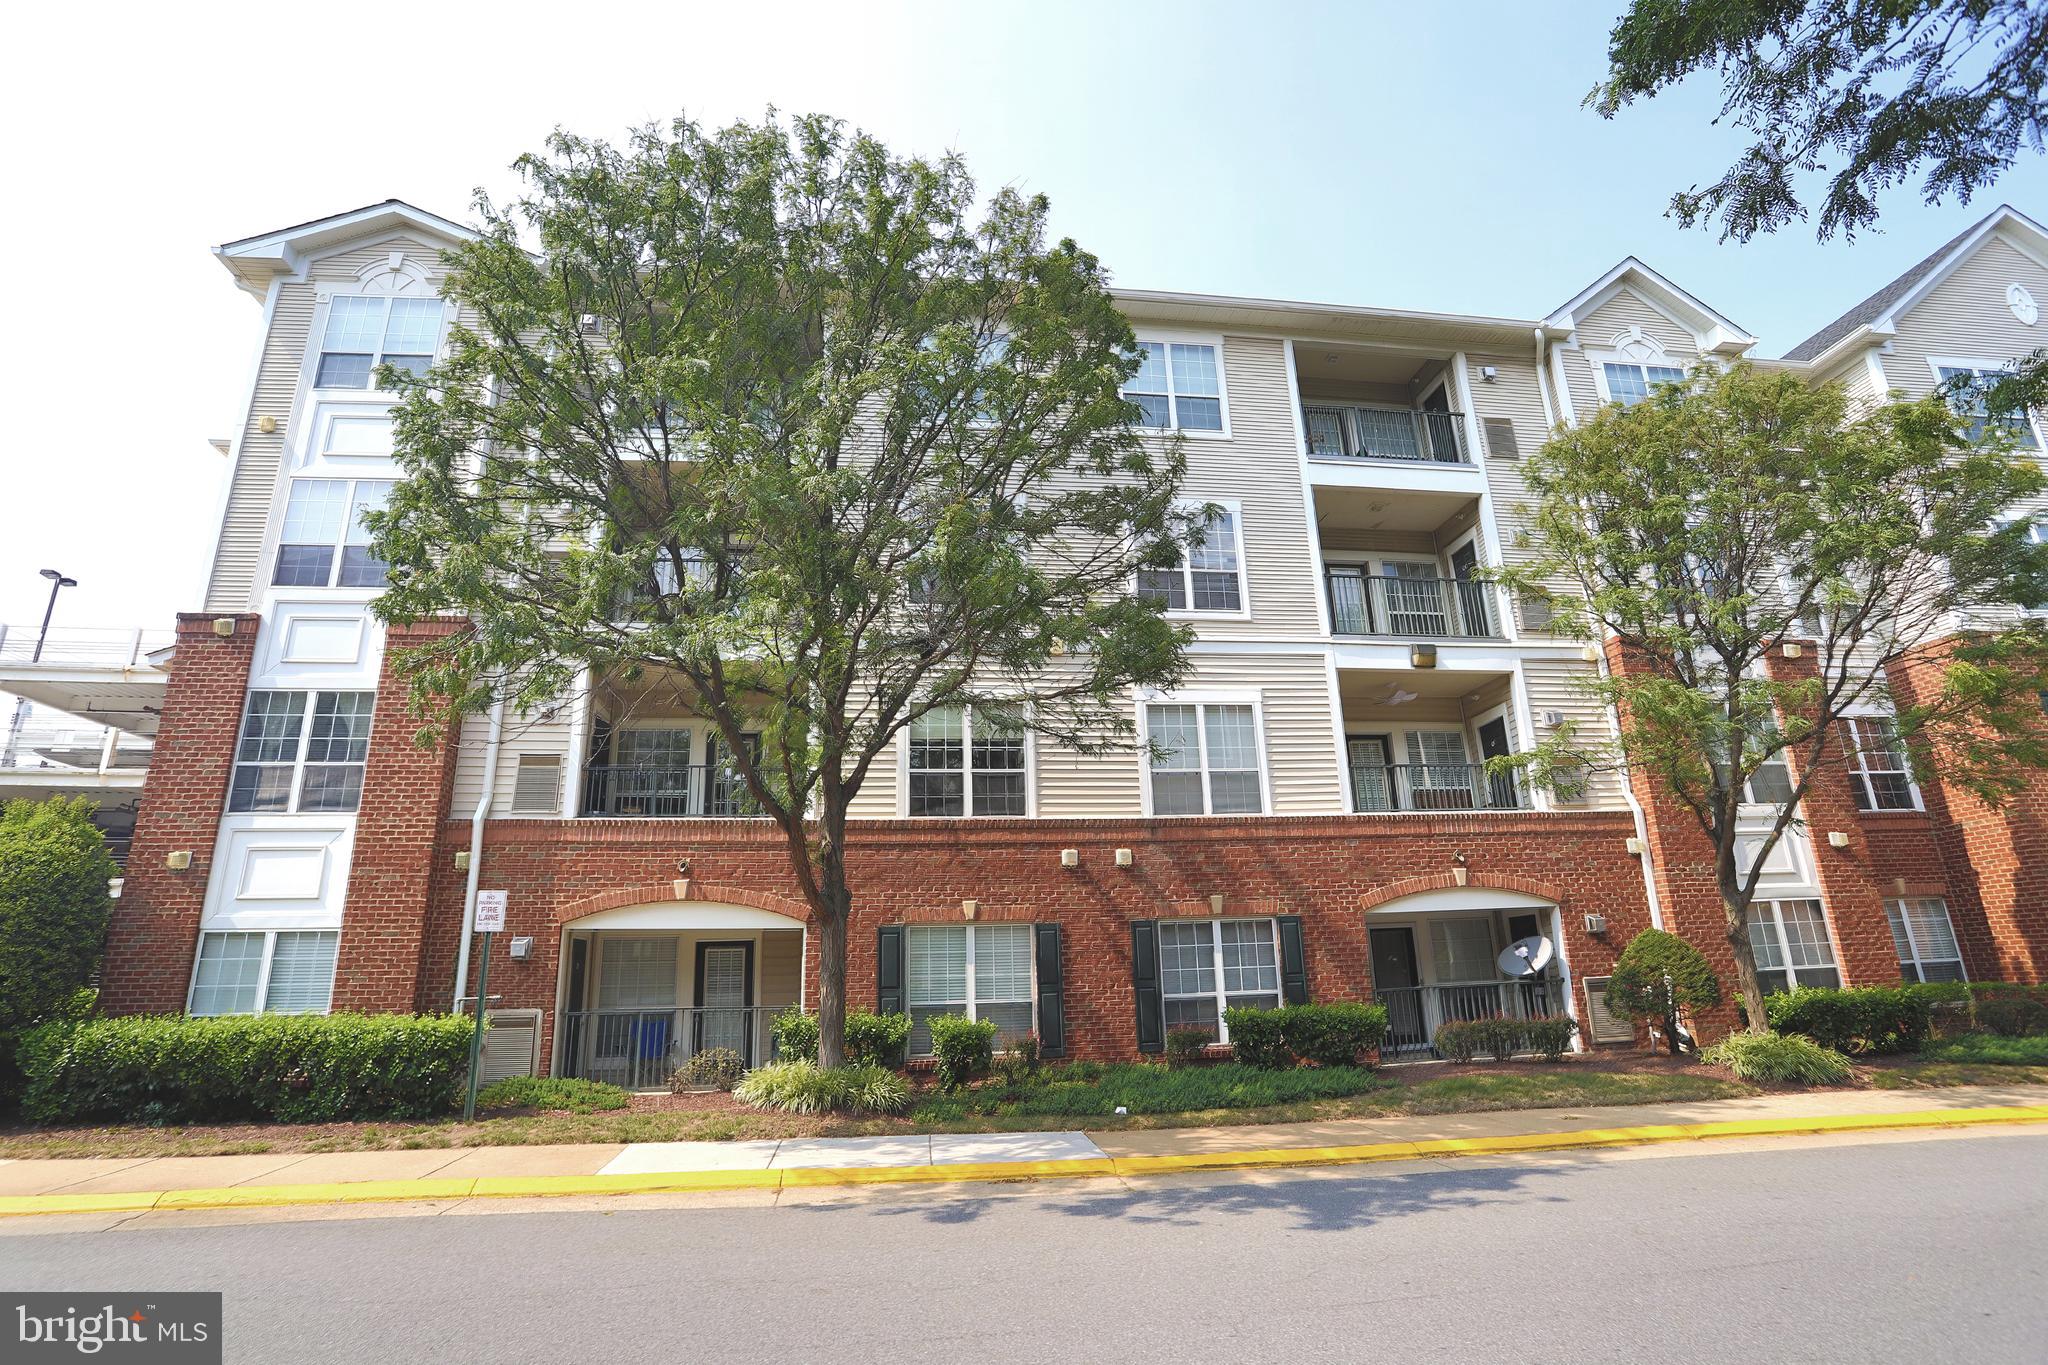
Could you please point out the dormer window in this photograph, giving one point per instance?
(368, 330)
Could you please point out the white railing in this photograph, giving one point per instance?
(118, 648)
(78, 747)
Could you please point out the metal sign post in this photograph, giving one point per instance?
(490, 919)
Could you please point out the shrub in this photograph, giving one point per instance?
(1184, 1046)
(963, 1048)
(1020, 1062)
(719, 1066)
(802, 1088)
(551, 1092)
(2014, 1012)
(1549, 1035)
(1459, 1040)
(1990, 1049)
(1657, 977)
(53, 915)
(870, 1038)
(1778, 1057)
(296, 1068)
(1499, 1036)
(876, 1039)
(1863, 1020)
(1336, 1034)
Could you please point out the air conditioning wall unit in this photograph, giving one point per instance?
(1596, 924)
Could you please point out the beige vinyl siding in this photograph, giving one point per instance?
(1858, 382)
(526, 732)
(256, 486)
(1560, 685)
(1515, 394)
(1597, 330)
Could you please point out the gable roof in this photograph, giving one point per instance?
(1881, 309)
(1715, 330)
(255, 261)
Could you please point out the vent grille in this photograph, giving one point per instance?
(1500, 438)
(538, 788)
(1537, 613)
(511, 1044)
(1606, 1027)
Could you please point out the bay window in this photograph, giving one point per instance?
(264, 972)
(963, 762)
(1204, 759)
(1791, 945)
(302, 751)
(1925, 938)
(1208, 966)
(980, 971)
(367, 330)
(1178, 386)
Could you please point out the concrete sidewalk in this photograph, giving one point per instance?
(92, 1184)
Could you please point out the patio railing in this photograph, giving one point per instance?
(1435, 786)
(1413, 608)
(641, 1049)
(1367, 433)
(1415, 1012)
(658, 793)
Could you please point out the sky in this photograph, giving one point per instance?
(1421, 156)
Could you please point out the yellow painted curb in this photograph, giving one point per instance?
(681, 1182)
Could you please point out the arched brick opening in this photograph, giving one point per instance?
(686, 891)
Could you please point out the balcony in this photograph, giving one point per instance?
(1414, 1013)
(1360, 432)
(1378, 787)
(640, 1049)
(1411, 607)
(632, 790)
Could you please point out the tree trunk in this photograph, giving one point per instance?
(1671, 1032)
(1735, 907)
(829, 859)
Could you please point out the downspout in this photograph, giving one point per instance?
(476, 850)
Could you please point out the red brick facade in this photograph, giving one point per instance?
(155, 926)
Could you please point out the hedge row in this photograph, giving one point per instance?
(1326, 1035)
(1502, 1037)
(305, 1068)
(1878, 1019)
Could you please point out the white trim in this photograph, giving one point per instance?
(973, 1001)
(1235, 508)
(1170, 338)
(227, 484)
(1718, 332)
(1935, 363)
(1200, 699)
(1221, 994)
(1598, 360)
(1492, 552)
(967, 771)
(1460, 899)
(1308, 496)
(682, 917)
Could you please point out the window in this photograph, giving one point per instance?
(323, 517)
(982, 971)
(637, 974)
(1210, 575)
(1790, 941)
(1770, 783)
(1204, 760)
(1177, 385)
(1877, 765)
(1971, 384)
(1463, 950)
(1926, 940)
(264, 972)
(302, 751)
(1207, 966)
(366, 330)
(965, 764)
(1629, 384)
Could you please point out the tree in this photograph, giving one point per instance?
(767, 420)
(1864, 91)
(1658, 977)
(54, 869)
(1711, 524)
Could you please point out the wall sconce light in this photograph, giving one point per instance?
(224, 626)
(1487, 374)
(1596, 924)
(1070, 857)
(1837, 839)
(1422, 656)
(1793, 649)
(522, 948)
(179, 861)
(1590, 653)
(1635, 845)
(1123, 857)
(462, 860)
(266, 424)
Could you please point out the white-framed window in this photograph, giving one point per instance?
(271, 971)
(1462, 950)
(1204, 758)
(982, 971)
(1210, 575)
(1629, 382)
(1770, 783)
(1791, 945)
(1179, 385)
(1878, 768)
(302, 751)
(1926, 939)
(367, 330)
(1207, 966)
(1972, 383)
(324, 543)
(960, 762)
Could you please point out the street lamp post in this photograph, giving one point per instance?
(58, 582)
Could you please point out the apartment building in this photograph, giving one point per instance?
(1318, 826)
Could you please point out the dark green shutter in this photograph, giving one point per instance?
(1052, 1013)
(1293, 962)
(1145, 985)
(889, 970)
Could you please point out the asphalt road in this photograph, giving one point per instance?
(1923, 1250)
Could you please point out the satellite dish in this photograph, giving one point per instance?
(1525, 957)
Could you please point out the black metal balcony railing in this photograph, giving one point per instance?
(641, 1049)
(1415, 608)
(658, 793)
(1361, 433)
(1414, 1013)
(1434, 786)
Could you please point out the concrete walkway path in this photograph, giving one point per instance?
(97, 1184)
